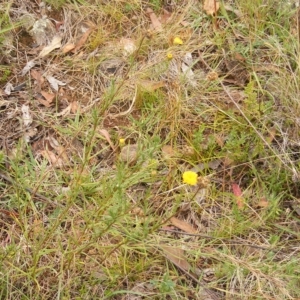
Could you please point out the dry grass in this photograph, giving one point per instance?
(77, 222)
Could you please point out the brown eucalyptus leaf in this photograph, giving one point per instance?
(106, 135)
(186, 227)
(82, 40)
(48, 96)
(154, 20)
(211, 7)
(176, 256)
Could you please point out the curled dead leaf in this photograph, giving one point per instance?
(55, 43)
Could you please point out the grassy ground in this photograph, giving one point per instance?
(93, 205)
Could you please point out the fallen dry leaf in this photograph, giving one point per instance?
(186, 227)
(65, 111)
(52, 158)
(28, 67)
(55, 43)
(235, 11)
(82, 40)
(8, 89)
(75, 107)
(239, 57)
(38, 77)
(27, 118)
(185, 23)
(48, 96)
(188, 59)
(52, 142)
(54, 83)
(211, 7)
(44, 102)
(176, 256)
(189, 74)
(106, 135)
(165, 17)
(60, 150)
(154, 20)
(68, 47)
(168, 228)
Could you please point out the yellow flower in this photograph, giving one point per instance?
(177, 41)
(169, 55)
(121, 142)
(190, 177)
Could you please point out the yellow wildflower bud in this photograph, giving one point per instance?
(190, 177)
(169, 55)
(153, 173)
(177, 41)
(121, 142)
